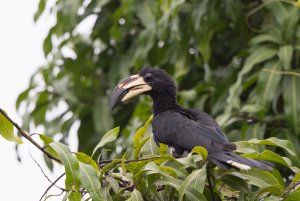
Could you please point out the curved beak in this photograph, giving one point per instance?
(128, 88)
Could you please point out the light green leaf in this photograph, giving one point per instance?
(263, 179)
(270, 156)
(136, 196)
(273, 141)
(191, 181)
(90, 181)
(294, 196)
(267, 85)
(201, 151)
(138, 142)
(113, 183)
(47, 140)
(108, 137)
(84, 158)
(258, 54)
(74, 196)
(7, 130)
(285, 54)
(274, 35)
(105, 193)
(291, 97)
(71, 165)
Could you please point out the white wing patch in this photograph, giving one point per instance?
(238, 165)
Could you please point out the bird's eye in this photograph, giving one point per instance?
(148, 77)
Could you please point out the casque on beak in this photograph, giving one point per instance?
(128, 88)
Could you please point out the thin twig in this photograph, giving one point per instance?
(45, 173)
(103, 162)
(28, 137)
(49, 187)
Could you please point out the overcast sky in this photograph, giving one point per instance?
(20, 55)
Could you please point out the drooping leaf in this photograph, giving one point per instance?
(108, 137)
(7, 130)
(291, 96)
(90, 181)
(285, 54)
(70, 163)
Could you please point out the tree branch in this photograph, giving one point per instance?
(56, 180)
(28, 137)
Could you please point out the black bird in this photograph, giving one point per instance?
(181, 128)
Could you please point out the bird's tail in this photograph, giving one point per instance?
(229, 159)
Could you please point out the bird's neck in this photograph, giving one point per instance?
(163, 102)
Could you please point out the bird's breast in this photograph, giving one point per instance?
(164, 127)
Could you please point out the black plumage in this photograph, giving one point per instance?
(181, 128)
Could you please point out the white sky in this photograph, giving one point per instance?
(20, 55)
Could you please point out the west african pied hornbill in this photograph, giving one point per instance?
(181, 128)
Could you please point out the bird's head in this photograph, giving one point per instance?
(151, 81)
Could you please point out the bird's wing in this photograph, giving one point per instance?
(177, 130)
(206, 121)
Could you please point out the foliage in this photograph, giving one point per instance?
(237, 60)
(163, 177)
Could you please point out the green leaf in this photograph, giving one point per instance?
(40, 10)
(47, 45)
(285, 54)
(108, 137)
(71, 165)
(268, 83)
(291, 97)
(74, 196)
(7, 130)
(273, 141)
(191, 181)
(201, 151)
(22, 96)
(272, 36)
(235, 180)
(264, 180)
(294, 196)
(270, 156)
(137, 142)
(47, 140)
(90, 181)
(258, 54)
(163, 149)
(84, 158)
(136, 196)
(105, 193)
(113, 183)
